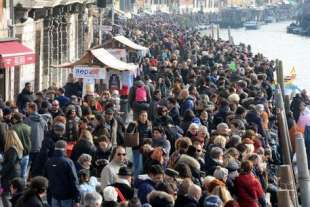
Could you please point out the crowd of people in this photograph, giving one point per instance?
(197, 129)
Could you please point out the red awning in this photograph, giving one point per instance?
(13, 53)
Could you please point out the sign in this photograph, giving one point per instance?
(7, 62)
(89, 72)
(106, 28)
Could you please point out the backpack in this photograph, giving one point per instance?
(141, 94)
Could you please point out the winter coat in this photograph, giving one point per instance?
(132, 95)
(174, 113)
(116, 130)
(63, 101)
(3, 129)
(211, 165)
(188, 104)
(30, 199)
(248, 190)
(82, 147)
(46, 152)
(145, 131)
(23, 98)
(10, 167)
(38, 128)
(109, 204)
(190, 202)
(253, 118)
(62, 176)
(23, 131)
(144, 186)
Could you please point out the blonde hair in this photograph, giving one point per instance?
(12, 140)
(87, 135)
(220, 140)
(222, 192)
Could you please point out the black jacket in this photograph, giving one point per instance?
(62, 176)
(23, 98)
(189, 202)
(127, 191)
(10, 167)
(82, 147)
(29, 199)
(46, 151)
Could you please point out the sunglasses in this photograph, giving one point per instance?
(198, 150)
(121, 154)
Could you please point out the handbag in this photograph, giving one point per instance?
(132, 136)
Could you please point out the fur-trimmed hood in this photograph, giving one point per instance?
(190, 161)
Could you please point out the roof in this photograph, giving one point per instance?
(112, 62)
(12, 48)
(129, 43)
(102, 56)
(13, 53)
(46, 3)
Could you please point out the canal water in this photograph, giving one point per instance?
(274, 43)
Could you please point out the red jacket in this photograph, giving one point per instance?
(248, 190)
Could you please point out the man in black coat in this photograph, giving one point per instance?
(24, 97)
(123, 184)
(62, 176)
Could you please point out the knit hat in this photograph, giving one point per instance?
(109, 194)
(59, 127)
(212, 201)
(220, 173)
(233, 165)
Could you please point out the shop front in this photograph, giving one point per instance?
(13, 54)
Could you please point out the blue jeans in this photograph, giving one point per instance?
(137, 162)
(24, 166)
(62, 203)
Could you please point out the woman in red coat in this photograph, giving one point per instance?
(248, 189)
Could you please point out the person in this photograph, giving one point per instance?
(193, 196)
(139, 97)
(84, 145)
(13, 152)
(62, 176)
(33, 197)
(87, 183)
(160, 199)
(17, 187)
(159, 140)
(214, 159)
(123, 184)
(26, 96)
(109, 172)
(174, 110)
(115, 127)
(254, 117)
(144, 127)
(187, 102)
(102, 154)
(38, 128)
(147, 185)
(55, 109)
(23, 132)
(248, 189)
(63, 100)
(56, 133)
(109, 197)
(92, 199)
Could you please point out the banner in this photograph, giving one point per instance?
(89, 72)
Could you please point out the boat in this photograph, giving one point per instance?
(251, 25)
